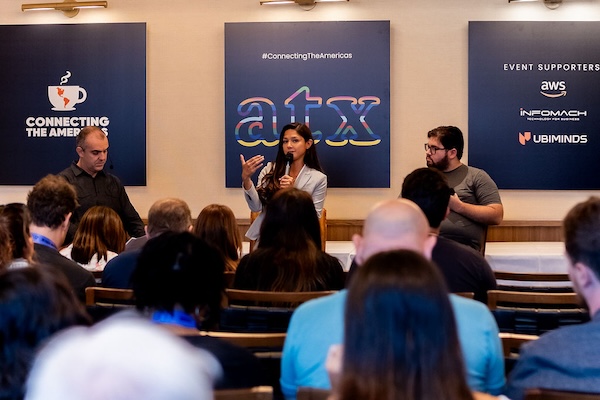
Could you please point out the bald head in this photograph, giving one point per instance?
(394, 225)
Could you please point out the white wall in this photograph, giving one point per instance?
(185, 88)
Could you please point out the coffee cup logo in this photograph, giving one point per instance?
(64, 97)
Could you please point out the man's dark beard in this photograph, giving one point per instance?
(442, 165)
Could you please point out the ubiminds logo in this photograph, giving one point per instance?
(574, 138)
(553, 89)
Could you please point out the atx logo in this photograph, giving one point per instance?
(553, 89)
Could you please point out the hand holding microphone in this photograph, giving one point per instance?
(286, 180)
(289, 159)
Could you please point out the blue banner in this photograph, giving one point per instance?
(534, 119)
(57, 79)
(333, 76)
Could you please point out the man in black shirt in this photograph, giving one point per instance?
(96, 187)
(464, 269)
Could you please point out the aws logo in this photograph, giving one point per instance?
(553, 89)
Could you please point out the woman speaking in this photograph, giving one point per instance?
(296, 165)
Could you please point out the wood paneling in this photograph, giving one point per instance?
(508, 231)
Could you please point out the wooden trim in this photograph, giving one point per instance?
(507, 231)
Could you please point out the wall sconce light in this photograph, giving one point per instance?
(551, 4)
(301, 3)
(69, 8)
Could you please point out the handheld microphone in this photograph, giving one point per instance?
(289, 158)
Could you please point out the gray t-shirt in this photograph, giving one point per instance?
(473, 186)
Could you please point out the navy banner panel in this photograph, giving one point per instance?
(55, 80)
(333, 76)
(534, 109)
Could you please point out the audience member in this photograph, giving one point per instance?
(99, 238)
(34, 304)
(568, 358)
(476, 202)
(18, 219)
(289, 256)
(400, 339)
(179, 283)
(121, 359)
(391, 225)
(94, 186)
(51, 203)
(464, 269)
(296, 165)
(5, 249)
(217, 226)
(165, 215)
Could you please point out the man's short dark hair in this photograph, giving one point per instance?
(450, 137)
(85, 132)
(427, 187)
(50, 200)
(581, 229)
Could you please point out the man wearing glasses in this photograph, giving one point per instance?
(476, 202)
(96, 187)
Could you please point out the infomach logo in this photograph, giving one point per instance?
(553, 89)
(552, 115)
(550, 138)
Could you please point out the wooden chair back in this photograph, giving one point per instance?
(533, 282)
(272, 341)
(531, 276)
(548, 394)
(260, 297)
(100, 296)
(532, 299)
(512, 342)
(322, 227)
(466, 295)
(254, 393)
(229, 279)
(311, 393)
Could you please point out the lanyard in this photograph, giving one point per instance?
(43, 240)
(177, 318)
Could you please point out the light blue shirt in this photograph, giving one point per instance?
(317, 324)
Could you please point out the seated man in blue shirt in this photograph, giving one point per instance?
(568, 358)
(317, 324)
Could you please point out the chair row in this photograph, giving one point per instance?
(534, 303)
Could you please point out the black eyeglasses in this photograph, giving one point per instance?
(432, 149)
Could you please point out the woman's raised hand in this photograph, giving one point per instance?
(249, 168)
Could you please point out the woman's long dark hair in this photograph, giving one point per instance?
(19, 219)
(216, 224)
(270, 183)
(400, 335)
(290, 233)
